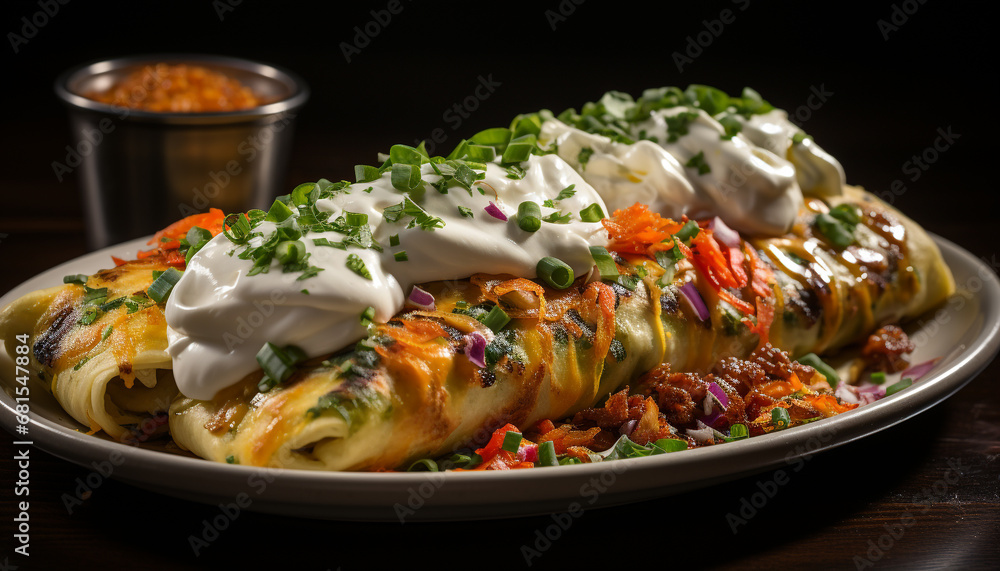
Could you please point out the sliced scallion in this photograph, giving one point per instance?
(161, 287)
(511, 441)
(555, 272)
(895, 388)
(496, 319)
(688, 231)
(401, 256)
(529, 216)
(278, 212)
(605, 263)
(547, 454)
(357, 265)
(79, 279)
(827, 371)
(290, 251)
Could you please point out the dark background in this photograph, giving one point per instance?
(888, 99)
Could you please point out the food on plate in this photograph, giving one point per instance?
(644, 268)
(178, 88)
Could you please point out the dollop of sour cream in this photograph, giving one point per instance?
(219, 316)
(754, 180)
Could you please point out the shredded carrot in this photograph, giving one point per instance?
(635, 229)
(763, 277)
(709, 260)
(167, 241)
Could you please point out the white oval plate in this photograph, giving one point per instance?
(965, 332)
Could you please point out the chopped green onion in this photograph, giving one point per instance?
(827, 371)
(569, 461)
(405, 177)
(423, 465)
(592, 213)
(547, 454)
(555, 272)
(605, 263)
(394, 240)
(107, 332)
(405, 155)
(519, 149)
(230, 459)
(780, 418)
(688, 231)
(368, 316)
(529, 216)
(357, 265)
(355, 219)
(401, 256)
(278, 364)
(496, 319)
(847, 213)
(698, 162)
(305, 193)
(893, 389)
(497, 137)
(290, 251)
(738, 432)
(839, 233)
(160, 289)
(366, 173)
(482, 153)
(278, 212)
(511, 441)
(878, 378)
(79, 279)
(236, 227)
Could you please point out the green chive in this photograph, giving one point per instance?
(698, 162)
(592, 213)
(368, 316)
(605, 263)
(278, 212)
(236, 227)
(497, 137)
(827, 371)
(738, 432)
(878, 378)
(357, 265)
(496, 319)
(423, 465)
(401, 256)
(290, 251)
(230, 459)
(839, 233)
(482, 153)
(893, 389)
(511, 441)
(519, 149)
(160, 289)
(394, 240)
(107, 332)
(79, 279)
(547, 454)
(355, 219)
(305, 193)
(405, 177)
(779, 418)
(529, 216)
(366, 173)
(405, 155)
(569, 461)
(555, 272)
(688, 231)
(278, 364)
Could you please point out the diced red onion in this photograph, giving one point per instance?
(421, 298)
(847, 393)
(494, 211)
(711, 419)
(527, 453)
(917, 371)
(719, 394)
(628, 427)
(724, 234)
(475, 348)
(694, 298)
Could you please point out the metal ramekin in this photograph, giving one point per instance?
(142, 170)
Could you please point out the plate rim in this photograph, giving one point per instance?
(145, 468)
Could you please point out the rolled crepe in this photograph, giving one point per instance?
(101, 348)
(416, 386)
